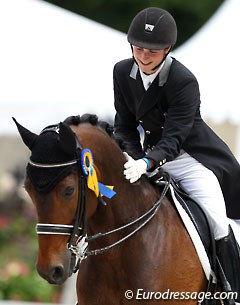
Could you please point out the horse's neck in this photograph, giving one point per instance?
(131, 202)
(131, 199)
(135, 199)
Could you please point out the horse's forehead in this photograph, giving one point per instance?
(71, 178)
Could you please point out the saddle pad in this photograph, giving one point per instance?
(193, 233)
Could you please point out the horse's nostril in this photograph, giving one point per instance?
(57, 274)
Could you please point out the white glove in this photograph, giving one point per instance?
(134, 169)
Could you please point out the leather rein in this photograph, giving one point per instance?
(78, 240)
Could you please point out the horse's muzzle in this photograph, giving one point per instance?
(57, 273)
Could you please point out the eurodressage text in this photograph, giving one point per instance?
(141, 294)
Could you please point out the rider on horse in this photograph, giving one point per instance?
(157, 92)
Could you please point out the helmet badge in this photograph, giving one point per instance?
(149, 27)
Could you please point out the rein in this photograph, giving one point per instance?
(78, 240)
(150, 213)
(80, 248)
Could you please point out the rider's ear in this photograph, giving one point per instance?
(27, 136)
(67, 139)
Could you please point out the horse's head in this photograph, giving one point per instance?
(56, 182)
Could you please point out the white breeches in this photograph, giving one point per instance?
(203, 186)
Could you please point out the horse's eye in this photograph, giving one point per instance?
(67, 191)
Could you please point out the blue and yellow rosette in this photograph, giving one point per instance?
(98, 188)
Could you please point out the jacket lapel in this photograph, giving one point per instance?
(147, 99)
(137, 85)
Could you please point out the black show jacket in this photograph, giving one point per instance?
(169, 113)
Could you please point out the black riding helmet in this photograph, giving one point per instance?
(153, 28)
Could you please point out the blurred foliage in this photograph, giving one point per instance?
(189, 15)
(19, 279)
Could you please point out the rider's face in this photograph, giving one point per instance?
(148, 59)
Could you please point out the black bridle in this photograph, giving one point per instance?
(78, 240)
(74, 231)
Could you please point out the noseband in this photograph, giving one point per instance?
(78, 240)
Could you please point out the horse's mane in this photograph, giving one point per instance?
(91, 119)
(94, 120)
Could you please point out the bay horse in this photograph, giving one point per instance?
(67, 159)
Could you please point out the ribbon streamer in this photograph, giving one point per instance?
(106, 190)
(92, 181)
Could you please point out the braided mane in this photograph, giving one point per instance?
(92, 119)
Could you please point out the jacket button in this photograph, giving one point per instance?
(165, 114)
(140, 121)
(161, 163)
(162, 127)
(148, 131)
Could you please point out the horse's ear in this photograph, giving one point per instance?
(27, 136)
(67, 139)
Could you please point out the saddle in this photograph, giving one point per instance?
(193, 210)
(201, 223)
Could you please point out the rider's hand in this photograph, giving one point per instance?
(134, 169)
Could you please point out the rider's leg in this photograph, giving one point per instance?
(202, 185)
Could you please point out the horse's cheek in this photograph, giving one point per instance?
(91, 204)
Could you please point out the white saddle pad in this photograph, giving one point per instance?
(201, 252)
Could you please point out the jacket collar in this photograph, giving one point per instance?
(163, 75)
